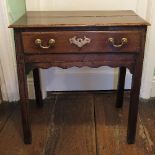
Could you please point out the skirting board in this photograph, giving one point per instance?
(30, 84)
(153, 88)
(31, 91)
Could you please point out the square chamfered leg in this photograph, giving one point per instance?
(24, 101)
(134, 102)
(37, 86)
(120, 89)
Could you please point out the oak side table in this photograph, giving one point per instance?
(80, 38)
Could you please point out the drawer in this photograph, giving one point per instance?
(81, 41)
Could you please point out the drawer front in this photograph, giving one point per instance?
(81, 41)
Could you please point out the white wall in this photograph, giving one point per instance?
(81, 4)
(148, 81)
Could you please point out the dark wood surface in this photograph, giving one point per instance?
(78, 18)
(67, 125)
(120, 87)
(97, 26)
(91, 60)
(99, 41)
(23, 93)
(37, 87)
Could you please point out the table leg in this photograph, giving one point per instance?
(23, 91)
(134, 101)
(121, 84)
(37, 87)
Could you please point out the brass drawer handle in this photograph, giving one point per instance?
(51, 43)
(79, 42)
(123, 42)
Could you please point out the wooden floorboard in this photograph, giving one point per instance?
(147, 121)
(111, 126)
(6, 110)
(78, 124)
(11, 142)
(72, 126)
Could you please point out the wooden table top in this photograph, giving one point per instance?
(41, 19)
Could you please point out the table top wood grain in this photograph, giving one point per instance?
(44, 19)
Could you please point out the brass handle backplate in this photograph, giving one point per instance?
(51, 43)
(79, 42)
(123, 42)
